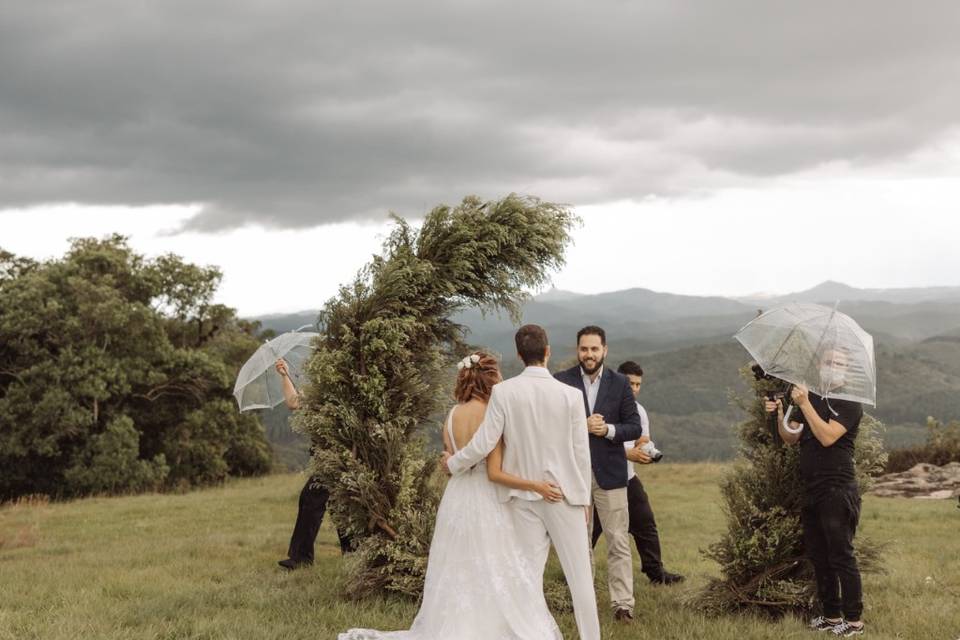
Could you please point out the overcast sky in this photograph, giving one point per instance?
(696, 140)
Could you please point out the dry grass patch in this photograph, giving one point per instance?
(20, 521)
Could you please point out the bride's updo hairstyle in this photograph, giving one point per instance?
(476, 375)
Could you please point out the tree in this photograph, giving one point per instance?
(385, 351)
(116, 373)
(761, 555)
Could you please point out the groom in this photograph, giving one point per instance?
(541, 422)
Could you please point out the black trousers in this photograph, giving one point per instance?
(312, 506)
(828, 529)
(642, 527)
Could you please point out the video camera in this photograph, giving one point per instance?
(651, 450)
(773, 389)
(776, 390)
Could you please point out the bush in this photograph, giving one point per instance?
(110, 462)
(116, 375)
(942, 447)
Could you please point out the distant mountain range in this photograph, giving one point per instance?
(830, 292)
(654, 320)
(685, 345)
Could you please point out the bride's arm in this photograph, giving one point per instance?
(446, 439)
(549, 491)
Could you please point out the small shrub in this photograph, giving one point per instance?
(942, 447)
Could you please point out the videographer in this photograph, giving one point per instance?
(313, 499)
(642, 525)
(831, 508)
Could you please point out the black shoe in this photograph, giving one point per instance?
(292, 564)
(667, 578)
(623, 615)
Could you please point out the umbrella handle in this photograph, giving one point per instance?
(786, 422)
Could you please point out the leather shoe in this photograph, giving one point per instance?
(292, 564)
(623, 615)
(667, 578)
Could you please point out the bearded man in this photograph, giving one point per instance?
(613, 419)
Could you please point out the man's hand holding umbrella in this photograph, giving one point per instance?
(266, 378)
(788, 436)
(291, 396)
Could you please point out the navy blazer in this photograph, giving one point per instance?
(615, 402)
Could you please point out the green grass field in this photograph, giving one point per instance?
(203, 565)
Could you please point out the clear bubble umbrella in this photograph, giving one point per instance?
(259, 386)
(814, 346)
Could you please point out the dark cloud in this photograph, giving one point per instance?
(300, 113)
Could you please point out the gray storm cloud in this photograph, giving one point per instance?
(300, 113)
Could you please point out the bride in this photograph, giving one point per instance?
(477, 584)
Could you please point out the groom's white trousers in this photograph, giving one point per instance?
(539, 523)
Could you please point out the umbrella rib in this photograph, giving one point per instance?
(784, 343)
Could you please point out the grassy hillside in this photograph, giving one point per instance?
(202, 566)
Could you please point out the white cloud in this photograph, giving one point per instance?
(866, 231)
(265, 270)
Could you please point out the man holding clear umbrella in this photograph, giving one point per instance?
(830, 361)
(313, 498)
(826, 431)
(264, 381)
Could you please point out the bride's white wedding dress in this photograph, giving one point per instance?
(478, 585)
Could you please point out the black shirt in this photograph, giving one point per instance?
(823, 468)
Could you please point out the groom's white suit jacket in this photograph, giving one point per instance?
(544, 429)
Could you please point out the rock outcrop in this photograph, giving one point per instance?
(921, 481)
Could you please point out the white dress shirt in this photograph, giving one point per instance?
(593, 388)
(645, 425)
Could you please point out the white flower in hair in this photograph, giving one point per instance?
(468, 362)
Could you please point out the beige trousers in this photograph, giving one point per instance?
(611, 506)
(538, 524)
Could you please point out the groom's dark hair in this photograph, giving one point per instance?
(532, 343)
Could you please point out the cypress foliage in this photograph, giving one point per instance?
(761, 555)
(384, 353)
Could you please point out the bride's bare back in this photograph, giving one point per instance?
(467, 418)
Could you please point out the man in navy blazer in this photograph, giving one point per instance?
(612, 420)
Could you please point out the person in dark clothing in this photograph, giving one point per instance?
(641, 525)
(831, 508)
(310, 511)
(313, 500)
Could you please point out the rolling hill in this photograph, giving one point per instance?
(692, 364)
